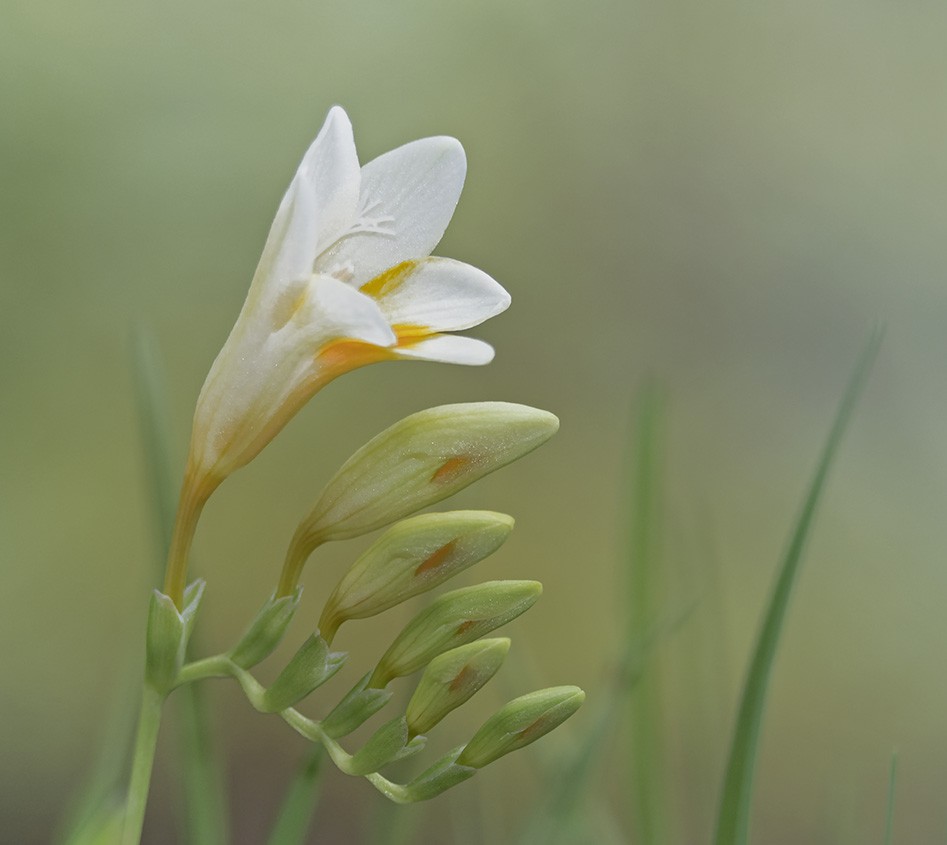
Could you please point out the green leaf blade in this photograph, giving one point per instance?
(299, 805)
(734, 813)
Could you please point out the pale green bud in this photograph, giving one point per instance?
(310, 667)
(410, 558)
(444, 774)
(451, 679)
(359, 705)
(266, 630)
(168, 632)
(388, 744)
(456, 618)
(520, 722)
(419, 461)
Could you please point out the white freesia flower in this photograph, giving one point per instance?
(345, 279)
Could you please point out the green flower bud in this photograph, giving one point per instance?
(444, 774)
(388, 744)
(359, 705)
(168, 632)
(520, 722)
(456, 618)
(419, 461)
(412, 557)
(266, 630)
(451, 679)
(310, 667)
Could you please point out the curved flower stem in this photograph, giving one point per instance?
(145, 743)
(221, 665)
(217, 666)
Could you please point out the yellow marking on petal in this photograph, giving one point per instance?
(450, 469)
(408, 333)
(388, 282)
(439, 558)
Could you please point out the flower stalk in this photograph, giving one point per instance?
(146, 741)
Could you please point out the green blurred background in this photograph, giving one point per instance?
(723, 197)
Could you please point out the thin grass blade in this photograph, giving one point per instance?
(647, 735)
(397, 824)
(299, 805)
(735, 802)
(95, 805)
(569, 795)
(155, 432)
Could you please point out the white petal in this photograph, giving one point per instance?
(258, 380)
(438, 293)
(333, 310)
(449, 349)
(407, 198)
(330, 167)
(319, 205)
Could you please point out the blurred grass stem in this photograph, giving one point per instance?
(647, 735)
(299, 806)
(734, 815)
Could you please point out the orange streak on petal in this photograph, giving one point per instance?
(439, 558)
(409, 334)
(450, 469)
(460, 679)
(463, 627)
(345, 355)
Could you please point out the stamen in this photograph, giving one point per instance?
(365, 223)
(372, 225)
(369, 221)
